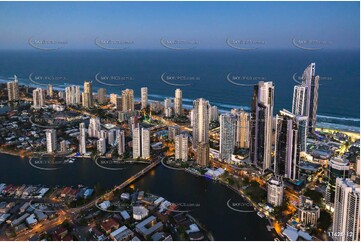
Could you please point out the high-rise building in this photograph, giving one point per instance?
(191, 117)
(82, 139)
(13, 90)
(311, 83)
(275, 191)
(302, 122)
(346, 217)
(261, 125)
(178, 107)
(120, 141)
(119, 103)
(213, 113)
(337, 168)
(61, 95)
(287, 152)
(181, 147)
(102, 96)
(63, 146)
(103, 134)
(168, 112)
(101, 146)
(203, 154)
(111, 137)
(156, 107)
(145, 143)
(141, 143)
(227, 136)
(71, 95)
(94, 128)
(113, 98)
(38, 98)
(299, 100)
(242, 129)
(128, 100)
(50, 91)
(50, 140)
(308, 213)
(167, 103)
(144, 97)
(200, 122)
(173, 131)
(87, 96)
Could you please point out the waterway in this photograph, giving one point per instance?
(208, 201)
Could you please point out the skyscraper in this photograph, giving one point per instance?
(38, 98)
(203, 154)
(167, 103)
(50, 90)
(311, 83)
(144, 97)
(337, 168)
(50, 140)
(227, 136)
(173, 131)
(87, 96)
(82, 139)
(346, 217)
(275, 191)
(71, 93)
(145, 143)
(299, 100)
(119, 103)
(287, 152)
(261, 125)
(120, 137)
(102, 92)
(128, 100)
(200, 122)
(213, 113)
(94, 128)
(181, 147)
(242, 130)
(101, 146)
(141, 143)
(302, 122)
(113, 98)
(178, 108)
(13, 90)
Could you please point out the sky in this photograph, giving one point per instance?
(151, 25)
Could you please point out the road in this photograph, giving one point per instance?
(70, 213)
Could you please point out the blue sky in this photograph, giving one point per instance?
(209, 23)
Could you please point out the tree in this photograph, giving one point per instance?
(325, 220)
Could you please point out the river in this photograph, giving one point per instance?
(208, 201)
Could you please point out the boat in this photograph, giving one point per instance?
(261, 215)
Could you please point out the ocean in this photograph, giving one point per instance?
(224, 77)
